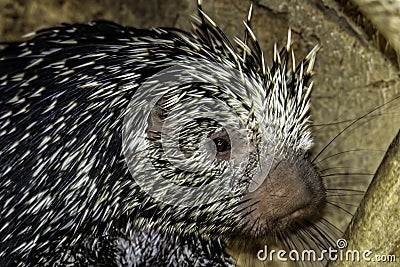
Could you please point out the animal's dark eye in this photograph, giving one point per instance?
(222, 144)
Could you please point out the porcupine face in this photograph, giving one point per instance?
(277, 194)
(220, 144)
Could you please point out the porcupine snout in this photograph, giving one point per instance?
(291, 194)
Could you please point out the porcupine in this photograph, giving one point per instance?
(66, 189)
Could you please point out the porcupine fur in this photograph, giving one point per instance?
(65, 189)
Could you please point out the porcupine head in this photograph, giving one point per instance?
(219, 142)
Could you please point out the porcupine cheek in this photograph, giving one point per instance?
(291, 194)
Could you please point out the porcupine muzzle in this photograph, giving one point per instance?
(291, 195)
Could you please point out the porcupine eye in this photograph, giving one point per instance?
(200, 132)
(222, 146)
(207, 136)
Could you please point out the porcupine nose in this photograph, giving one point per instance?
(292, 192)
(286, 190)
